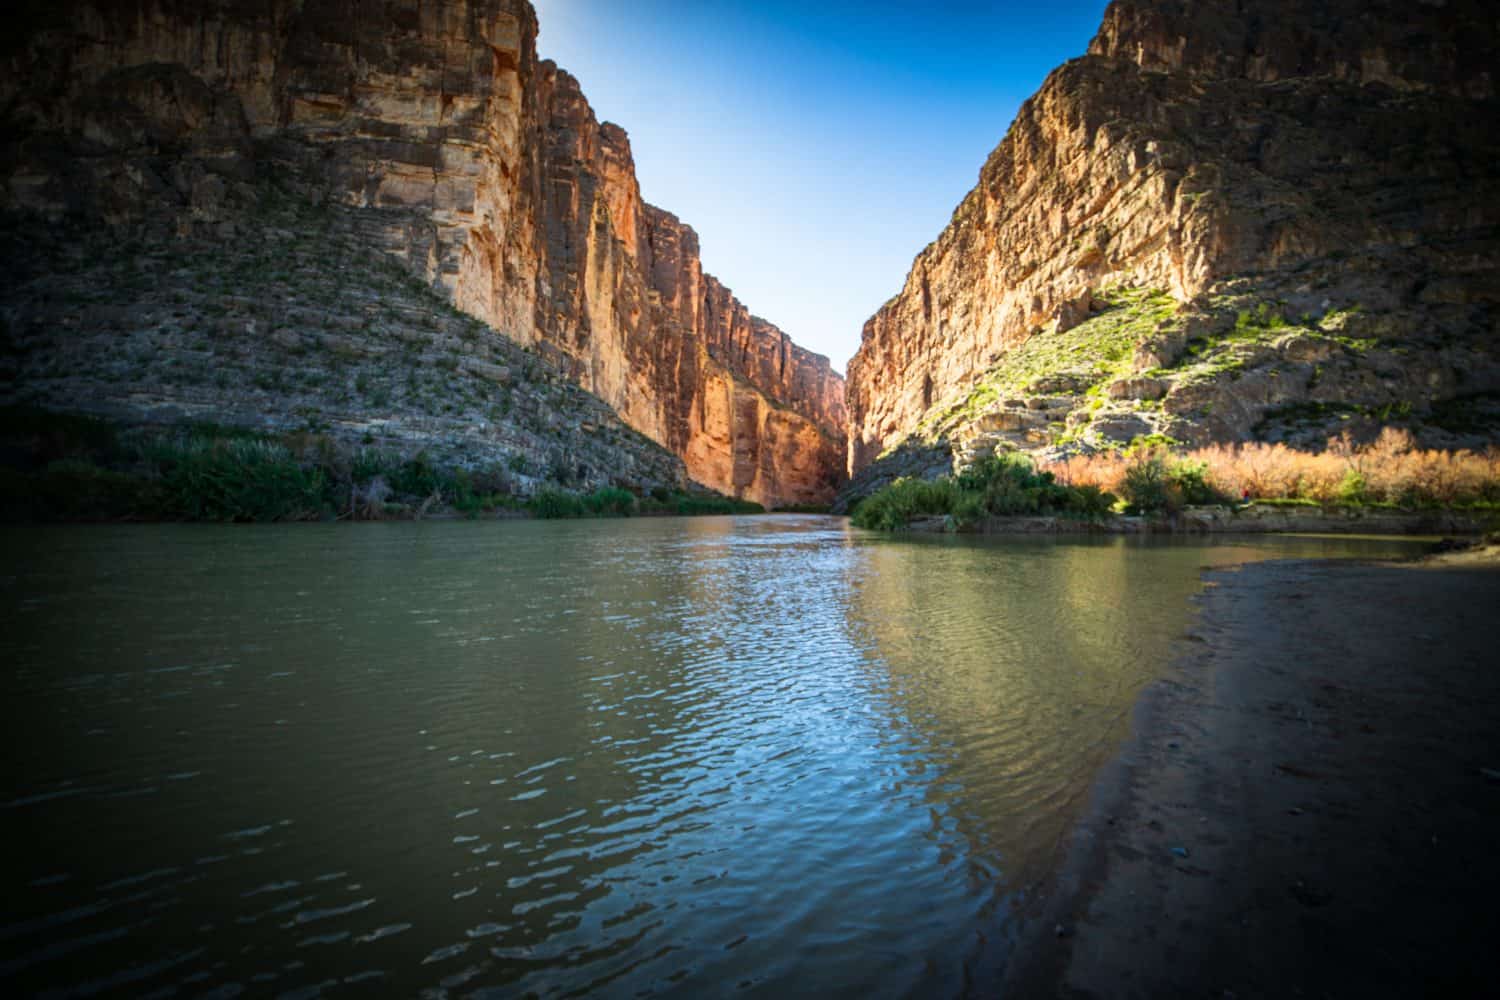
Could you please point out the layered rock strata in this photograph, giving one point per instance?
(1312, 189)
(480, 166)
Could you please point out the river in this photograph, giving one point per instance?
(761, 755)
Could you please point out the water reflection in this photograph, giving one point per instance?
(695, 755)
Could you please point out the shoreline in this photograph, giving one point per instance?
(1254, 519)
(1308, 808)
(445, 514)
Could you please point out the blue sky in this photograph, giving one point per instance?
(815, 147)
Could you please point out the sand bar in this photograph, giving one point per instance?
(1310, 807)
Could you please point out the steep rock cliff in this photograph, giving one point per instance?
(630, 312)
(1304, 198)
(478, 165)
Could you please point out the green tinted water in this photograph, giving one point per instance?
(689, 755)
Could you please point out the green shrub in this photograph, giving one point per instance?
(968, 509)
(1192, 482)
(893, 507)
(610, 501)
(416, 477)
(1001, 485)
(1090, 501)
(1153, 485)
(369, 463)
(1353, 489)
(1265, 316)
(1148, 489)
(236, 480)
(551, 503)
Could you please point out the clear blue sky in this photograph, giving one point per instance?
(815, 147)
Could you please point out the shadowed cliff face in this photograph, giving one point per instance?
(481, 167)
(1327, 167)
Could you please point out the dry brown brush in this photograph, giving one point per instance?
(1390, 470)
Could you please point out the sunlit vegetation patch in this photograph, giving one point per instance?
(1001, 485)
(1154, 479)
(1084, 357)
(1390, 471)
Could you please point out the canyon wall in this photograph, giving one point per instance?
(480, 166)
(1304, 160)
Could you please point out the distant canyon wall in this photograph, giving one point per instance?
(481, 165)
(1198, 141)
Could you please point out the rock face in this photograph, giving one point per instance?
(292, 329)
(1313, 190)
(478, 165)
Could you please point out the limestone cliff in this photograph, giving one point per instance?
(1265, 218)
(468, 158)
(636, 320)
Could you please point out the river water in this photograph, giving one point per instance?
(761, 756)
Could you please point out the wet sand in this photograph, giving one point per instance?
(1311, 807)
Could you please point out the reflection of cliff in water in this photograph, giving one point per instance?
(1014, 665)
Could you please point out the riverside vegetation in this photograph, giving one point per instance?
(68, 467)
(1151, 479)
(997, 485)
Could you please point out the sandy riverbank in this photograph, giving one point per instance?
(1311, 807)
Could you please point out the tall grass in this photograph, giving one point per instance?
(1390, 470)
(206, 479)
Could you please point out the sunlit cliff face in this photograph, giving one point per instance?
(481, 167)
(1322, 156)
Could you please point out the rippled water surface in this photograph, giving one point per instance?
(703, 756)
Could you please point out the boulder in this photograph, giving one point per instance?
(499, 374)
(1139, 387)
(1121, 428)
(1305, 347)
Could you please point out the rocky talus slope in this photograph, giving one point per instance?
(295, 326)
(476, 166)
(1264, 220)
